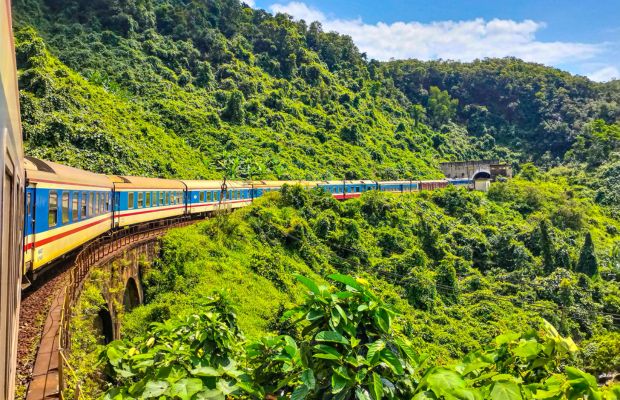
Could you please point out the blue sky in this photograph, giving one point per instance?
(578, 36)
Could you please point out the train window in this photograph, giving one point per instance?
(52, 214)
(28, 200)
(209, 196)
(161, 198)
(148, 199)
(74, 206)
(84, 204)
(130, 201)
(140, 200)
(65, 208)
(201, 197)
(91, 205)
(107, 202)
(98, 205)
(155, 199)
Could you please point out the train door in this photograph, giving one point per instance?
(116, 208)
(29, 228)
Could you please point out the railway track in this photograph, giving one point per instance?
(44, 303)
(34, 310)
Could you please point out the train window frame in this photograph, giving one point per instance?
(140, 200)
(209, 196)
(75, 206)
(131, 200)
(64, 208)
(147, 200)
(84, 205)
(201, 196)
(52, 211)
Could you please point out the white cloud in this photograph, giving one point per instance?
(449, 40)
(250, 3)
(605, 74)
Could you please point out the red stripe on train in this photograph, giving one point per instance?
(64, 234)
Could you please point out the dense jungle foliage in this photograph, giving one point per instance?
(454, 269)
(210, 88)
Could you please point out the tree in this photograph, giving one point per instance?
(418, 113)
(234, 108)
(441, 106)
(546, 247)
(588, 263)
(529, 172)
(446, 280)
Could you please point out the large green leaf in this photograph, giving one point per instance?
(309, 283)
(392, 361)
(307, 377)
(376, 386)
(347, 280)
(338, 383)
(154, 389)
(204, 370)
(361, 394)
(331, 336)
(374, 348)
(506, 391)
(186, 388)
(443, 380)
(528, 350)
(300, 393)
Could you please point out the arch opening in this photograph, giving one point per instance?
(482, 175)
(103, 325)
(131, 297)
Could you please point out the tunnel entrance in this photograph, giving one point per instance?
(482, 175)
(131, 297)
(103, 325)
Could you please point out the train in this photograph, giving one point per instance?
(67, 207)
(11, 206)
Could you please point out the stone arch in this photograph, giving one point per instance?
(104, 325)
(131, 296)
(482, 174)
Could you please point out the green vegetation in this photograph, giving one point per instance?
(455, 268)
(213, 88)
(349, 348)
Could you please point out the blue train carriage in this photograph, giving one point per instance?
(399, 186)
(208, 196)
(138, 200)
(64, 208)
(263, 187)
(462, 182)
(342, 190)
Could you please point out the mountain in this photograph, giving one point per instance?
(202, 89)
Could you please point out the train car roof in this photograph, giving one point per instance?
(138, 182)
(348, 182)
(212, 184)
(47, 172)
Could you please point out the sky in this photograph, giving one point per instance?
(582, 37)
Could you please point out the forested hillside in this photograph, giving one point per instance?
(450, 271)
(213, 88)
(386, 296)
